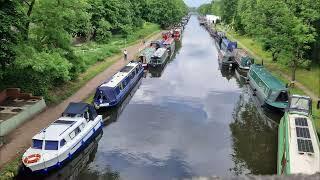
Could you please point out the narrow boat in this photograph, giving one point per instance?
(225, 54)
(177, 34)
(159, 57)
(156, 44)
(145, 56)
(62, 140)
(298, 143)
(242, 59)
(113, 91)
(170, 45)
(269, 90)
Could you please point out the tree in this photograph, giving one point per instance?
(11, 28)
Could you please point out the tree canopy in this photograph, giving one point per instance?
(284, 27)
(36, 36)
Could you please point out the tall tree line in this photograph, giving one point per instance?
(36, 35)
(285, 27)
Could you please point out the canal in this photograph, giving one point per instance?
(194, 118)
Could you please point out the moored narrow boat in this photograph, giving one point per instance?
(225, 54)
(242, 59)
(170, 45)
(269, 90)
(145, 56)
(298, 143)
(159, 58)
(177, 33)
(62, 140)
(113, 91)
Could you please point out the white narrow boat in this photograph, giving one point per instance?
(298, 143)
(62, 140)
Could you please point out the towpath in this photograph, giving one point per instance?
(20, 139)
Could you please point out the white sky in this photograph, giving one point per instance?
(196, 3)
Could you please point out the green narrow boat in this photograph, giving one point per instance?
(269, 90)
(298, 143)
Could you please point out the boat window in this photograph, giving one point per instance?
(37, 144)
(72, 134)
(137, 70)
(124, 83)
(51, 145)
(77, 130)
(117, 90)
(121, 86)
(283, 97)
(62, 142)
(300, 104)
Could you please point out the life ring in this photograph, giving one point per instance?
(32, 159)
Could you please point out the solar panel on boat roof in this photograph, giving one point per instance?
(305, 145)
(301, 121)
(303, 132)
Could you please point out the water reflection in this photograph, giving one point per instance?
(254, 140)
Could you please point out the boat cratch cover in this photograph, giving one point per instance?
(75, 109)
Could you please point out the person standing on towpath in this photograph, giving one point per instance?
(125, 54)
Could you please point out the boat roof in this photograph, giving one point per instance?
(76, 108)
(159, 52)
(168, 41)
(302, 161)
(147, 51)
(267, 77)
(119, 76)
(59, 128)
(241, 53)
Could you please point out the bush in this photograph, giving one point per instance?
(37, 72)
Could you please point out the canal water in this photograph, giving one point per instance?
(192, 118)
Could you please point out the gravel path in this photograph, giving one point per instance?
(20, 139)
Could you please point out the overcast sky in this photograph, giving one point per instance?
(196, 3)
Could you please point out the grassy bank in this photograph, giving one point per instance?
(308, 78)
(98, 58)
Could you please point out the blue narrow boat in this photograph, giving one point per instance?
(114, 91)
(226, 55)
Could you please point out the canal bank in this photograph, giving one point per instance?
(20, 139)
(305, 79)
(192, 118)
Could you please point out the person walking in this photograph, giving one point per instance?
(125, 54)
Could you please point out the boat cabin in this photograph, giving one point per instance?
(66, 128)
(146, 54)
(227, 45)
(242, 59)
(159, 57)
(156, 44)
(111, 92)
(268, 88)
(170, 45)
(63, 138)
